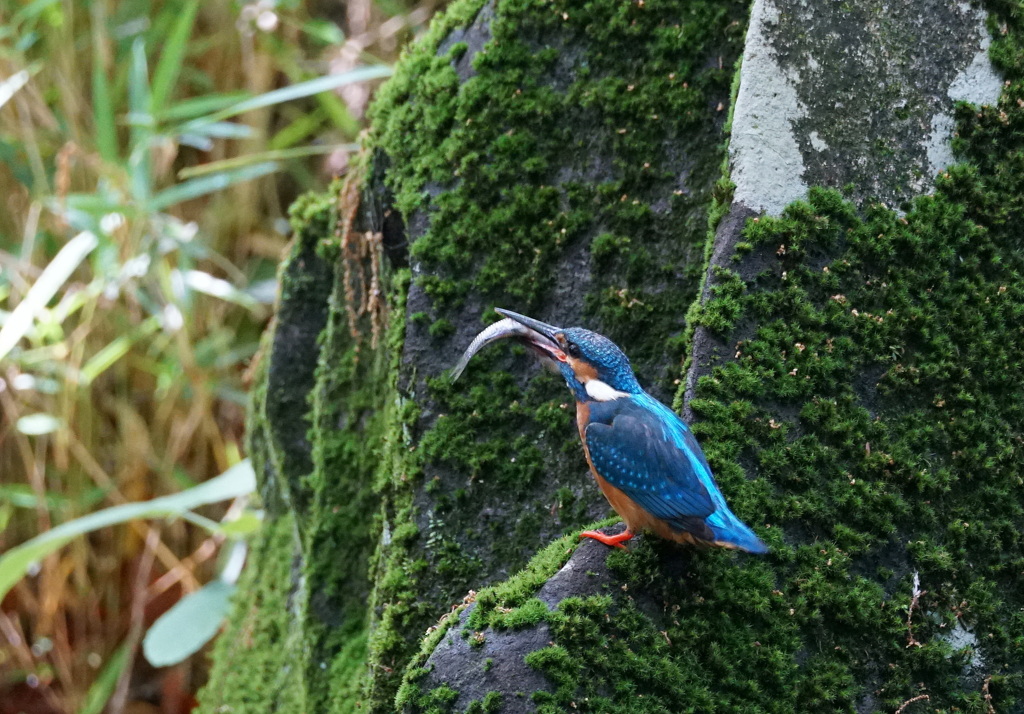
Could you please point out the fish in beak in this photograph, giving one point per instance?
(539, 336)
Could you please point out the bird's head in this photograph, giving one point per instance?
(593, 366)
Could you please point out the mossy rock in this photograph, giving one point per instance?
(854, 376)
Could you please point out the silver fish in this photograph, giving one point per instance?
(498, 331)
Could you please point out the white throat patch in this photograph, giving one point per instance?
(601, 391)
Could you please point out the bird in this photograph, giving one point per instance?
(643, 456)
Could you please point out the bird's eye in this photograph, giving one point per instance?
(573, 350)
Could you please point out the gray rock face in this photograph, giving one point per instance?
(838, 93)
(844, 95)
(497, 663)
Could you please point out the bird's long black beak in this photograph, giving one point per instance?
(543, 328)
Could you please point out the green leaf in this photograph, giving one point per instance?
(99, 693)
(219, 288)
(190, 624)
(222, 130)
(248, 522)
(324, 31)
(115, 350)
(276, 155)
(10, 86)
(102, 103)
(297, 91)
(31, 10)
(197, 187)
(304, 125)
(198, 106)
(238, 480)
(140, 118)
(38, 424)
(21, 495)
(166, 74)
(54, 275)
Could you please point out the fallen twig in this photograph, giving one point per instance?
(918, 698)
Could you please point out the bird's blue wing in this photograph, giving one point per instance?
(650, 460)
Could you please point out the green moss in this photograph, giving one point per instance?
(409, 691)
(496, 604)
(878, 402)
(255, 657)
(875, 403)
(479, 164)
(503, 220)
(878, 399)
(490, 704)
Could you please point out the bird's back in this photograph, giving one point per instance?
(642, 448)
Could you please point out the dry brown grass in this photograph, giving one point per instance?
(138, 372)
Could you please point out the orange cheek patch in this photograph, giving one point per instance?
(584, 372)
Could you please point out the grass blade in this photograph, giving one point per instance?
(10, 86)
(276, 155)
(198, 106)
(302, 89)
(33, 9)
(166, 74)
(238, 480)
(118, 348)
(38, 424)
(54, 275)
(99, 693)
(102, 102)
(140, 118)
(208, 184)
(216, 287)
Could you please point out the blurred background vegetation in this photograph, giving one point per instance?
(148, 152)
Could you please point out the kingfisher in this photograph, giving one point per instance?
(642, 455)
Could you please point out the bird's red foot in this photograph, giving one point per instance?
(615, 540)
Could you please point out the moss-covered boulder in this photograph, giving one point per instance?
(852, 369)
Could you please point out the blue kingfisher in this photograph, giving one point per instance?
(644, 458)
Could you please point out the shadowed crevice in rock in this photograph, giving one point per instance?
(301, 317)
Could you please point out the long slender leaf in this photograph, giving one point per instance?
(302, 89)
(295, 131)
(44, 288)
(208, 184)
(172, 56)
(140, 118)
(278, 155)
(10, 86)
(216, 287)
(99, 693)
(222, 130)
(102, 102)
(198, 106)
(236, 481)
(38, 424)
(31, 10)
(116, 349)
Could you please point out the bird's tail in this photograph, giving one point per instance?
(738, 536)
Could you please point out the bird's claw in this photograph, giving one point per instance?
(613, 540)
